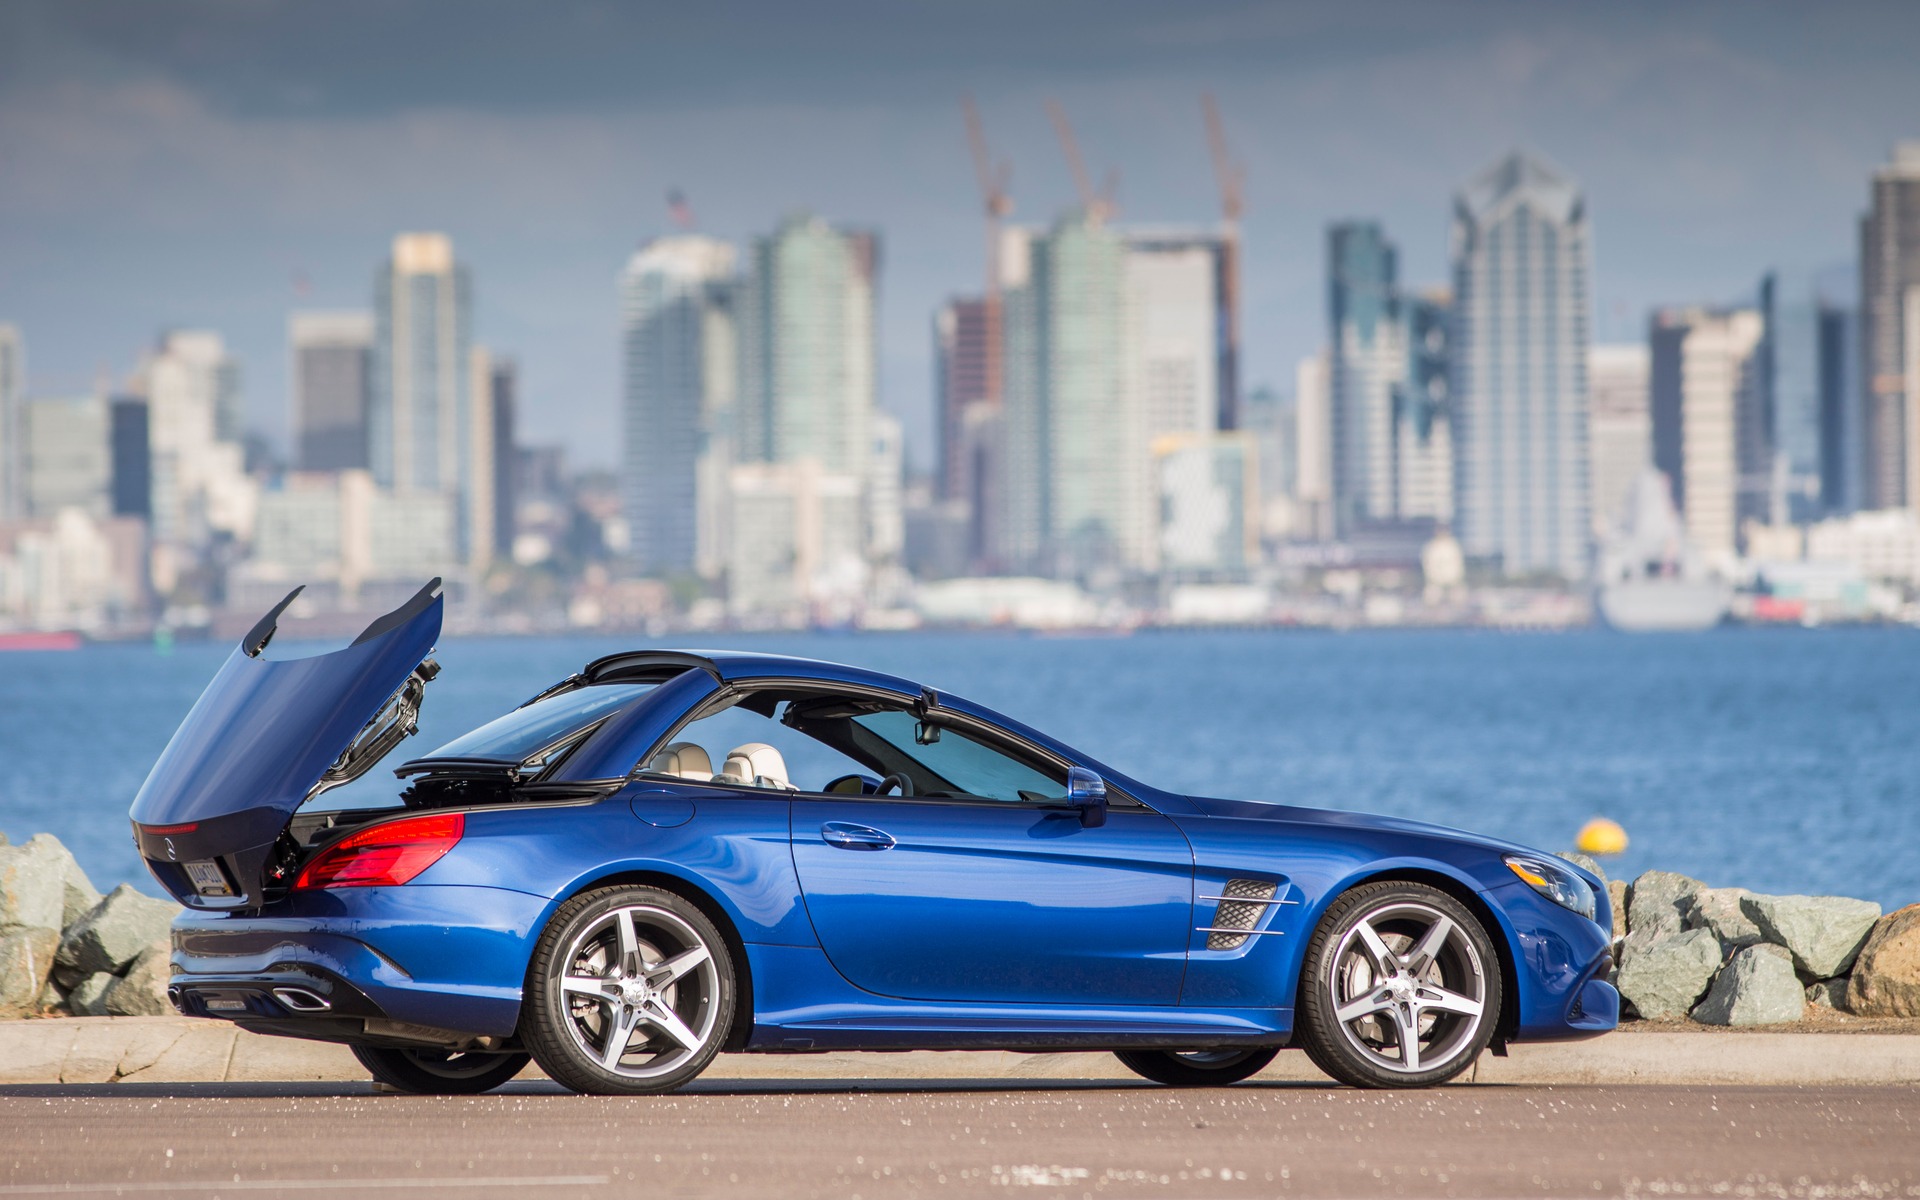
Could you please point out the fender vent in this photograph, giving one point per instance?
(1242, 902)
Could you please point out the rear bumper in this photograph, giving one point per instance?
(324, 964)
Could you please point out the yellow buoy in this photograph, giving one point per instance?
(1601, 836)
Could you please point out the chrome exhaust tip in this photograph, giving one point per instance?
(301, 1000)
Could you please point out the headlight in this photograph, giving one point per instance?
(1553, 881)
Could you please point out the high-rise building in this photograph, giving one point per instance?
(1841, 443)
(679, 362)
(1423, 413)
(13, 395)
(1366, 362)
(1175, 330)
(428, 427)
(1890, 333)
(504, 389)
(1708, 400)
(806, 330)
(1078, 494)
(1520, 264)
(1621, 427)
(961, 349)
(131, 455)
(68, 457)
(797, 536)
(1313, 474)
(332, 385)
(200, 485)
(1209, 502)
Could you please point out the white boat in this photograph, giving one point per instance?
(1651, 577)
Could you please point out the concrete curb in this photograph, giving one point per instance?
(96, 1050)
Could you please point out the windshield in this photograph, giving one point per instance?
(525, 732)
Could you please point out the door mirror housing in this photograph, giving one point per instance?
(1087, 793)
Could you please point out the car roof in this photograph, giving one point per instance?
(731, 666)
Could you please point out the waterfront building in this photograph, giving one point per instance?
(67, 457)
(1520, 255)
(200, 485)
(1209, 503)
(1890, 333)
(503, 390)
(332, 378)
(13, 395)
(1841, 441)
(72, 571)
(962, 379)
(131, 457)
(679, 351)
(1366, 361)
(1620, 427)
(340, 528)
(1175, 333)
(806, 338)
(429, 427)
(1078, 494)
(796, 540)
(1313, 473)
(1707, 398)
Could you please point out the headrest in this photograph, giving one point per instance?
(687, 760)
(755, 764)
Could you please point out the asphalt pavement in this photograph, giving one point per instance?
(836, 1138)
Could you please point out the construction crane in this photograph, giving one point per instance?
(993, 178)
(1231, 177)
(1100, 206)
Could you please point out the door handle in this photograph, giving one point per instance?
(845, 835)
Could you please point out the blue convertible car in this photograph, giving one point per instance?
(672, 854)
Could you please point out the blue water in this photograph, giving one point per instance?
(1780, 760)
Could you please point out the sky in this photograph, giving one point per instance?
(221, 163)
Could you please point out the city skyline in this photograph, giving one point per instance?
(1717, 144)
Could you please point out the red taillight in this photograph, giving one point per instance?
(385, 855)
(168, 830)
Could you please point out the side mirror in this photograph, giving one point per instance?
(1087, 792)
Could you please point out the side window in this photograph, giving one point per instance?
(958, 764)
(739, 746)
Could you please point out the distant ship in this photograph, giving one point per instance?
(1651, 577)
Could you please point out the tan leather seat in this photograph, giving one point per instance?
(755, 764)
(686, 760)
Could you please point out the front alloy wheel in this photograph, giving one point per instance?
(1401, 988)
(631, 990)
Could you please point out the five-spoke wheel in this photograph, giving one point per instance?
(631, 990)
(1401, 988)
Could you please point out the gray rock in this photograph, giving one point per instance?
(1829, 993)
(1757, 988)
(90, 998)
(1617, 897)
(142, 992)
(25, 956)
(53, 1002)
(1823, 933)
(78, 896)
(1582, 860)
(33, 884)
(1718, 910)
(1654, 902)
(116, 931)
(1663, 973)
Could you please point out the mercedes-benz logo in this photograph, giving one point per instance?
(172, 854)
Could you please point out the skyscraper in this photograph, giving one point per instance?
(1078, 495)
(806, 328)
(13, 395)
(332, 384)
(1840, 440)
(1366, 362)
(67, 457)
(504, 393)
(131, 453)
(1520, 265)
(1708, 400)
(424, 424)
(1621, 435)
(676, 308)
(961, 366)
(200, 484)
(1176, 333)
(1890, 333)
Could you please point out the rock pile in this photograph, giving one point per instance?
(1727, 956)
(66, 949)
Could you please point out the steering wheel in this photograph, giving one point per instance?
(895, 780)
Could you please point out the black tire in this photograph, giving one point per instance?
(439, 1072)
(575, 1029)
(1445, 987)
(1198, 1068)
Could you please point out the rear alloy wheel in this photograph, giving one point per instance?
(631, 991)
(1198, 1068)
(1401, 988)
(439, 1072)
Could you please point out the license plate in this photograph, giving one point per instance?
(208, 878)
(226, 1004)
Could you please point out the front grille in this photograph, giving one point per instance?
(1240, 909)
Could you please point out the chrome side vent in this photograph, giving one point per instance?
(1242, 902)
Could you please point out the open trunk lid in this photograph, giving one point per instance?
(268, 735)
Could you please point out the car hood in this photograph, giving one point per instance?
(1256, 810)
(262, 738)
